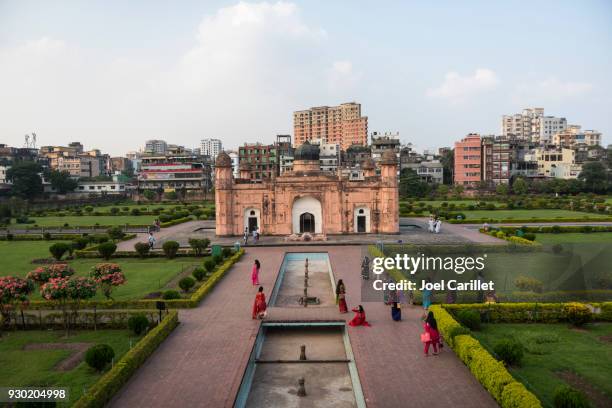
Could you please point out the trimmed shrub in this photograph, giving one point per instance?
(114, 210)
(568, 397)
(199, 273)
(59, 249)
(170, 249)
(142, 249)
(226, 252)
(115, 233)
(510, 351)
(529, 284)
(99, 356)
(199, 245)
(135, 211)
(171, 294)
(209, 264)
(138, 324)
(217, 259)
(107, 249)
(515, 395)
(186, 284)
(577, 314)
(47, 236)
(80, 243)
(469, 318)
(529, 236)
(458, 331)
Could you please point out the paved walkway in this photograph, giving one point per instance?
(202, 362)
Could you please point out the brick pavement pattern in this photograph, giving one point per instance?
(201, 364)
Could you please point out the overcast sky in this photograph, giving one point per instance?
(112, 74)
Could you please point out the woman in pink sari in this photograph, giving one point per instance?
(255, 273)
(360, 317)
(259, 306)
(341, 297)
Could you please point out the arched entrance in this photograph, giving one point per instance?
(361, 219)
(307, 223)
(306, 216)
(252, 220)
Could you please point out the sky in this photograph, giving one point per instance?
(112, 74)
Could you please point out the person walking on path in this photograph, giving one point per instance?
(341, 297)
(246, 236)
(360, 317)
(427, 296)
(431, 336)
(438, 225)
(259, 306)
(396, 312)
(151, 240)
(255, 272)
(255, 236)
(431, 223)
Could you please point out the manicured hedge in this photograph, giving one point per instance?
(487, 370)
(39, 237)
(519, 220)
(193, 301)
(111, 382)
(558, 229)
(175, 222)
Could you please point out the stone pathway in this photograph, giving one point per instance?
(202, 362)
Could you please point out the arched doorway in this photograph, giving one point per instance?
(307, 223)
(299, 218)
(361, 219)
(252, 220)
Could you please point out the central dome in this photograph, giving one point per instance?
(306, 151)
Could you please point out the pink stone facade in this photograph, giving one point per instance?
(468, 154)
(307, 200)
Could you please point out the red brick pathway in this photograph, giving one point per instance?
(201, 364)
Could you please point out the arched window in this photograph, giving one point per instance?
(307, 223)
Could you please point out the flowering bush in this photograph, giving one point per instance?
(45, 273)
(13, 290)
(107, 276)
(55, 289)
(64, 289)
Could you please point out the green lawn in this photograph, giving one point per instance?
(152, 206)
(89, 220)
(582, 352)
(526, 214)
(143, 275)
(34, 368)
(595, 237)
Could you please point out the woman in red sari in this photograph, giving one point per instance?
(431, 328)
(259, 306)
(255, 273)
(341, 297)
(360, 317)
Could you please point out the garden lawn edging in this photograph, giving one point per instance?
(491, 373)
(111, 382)
(519, 220)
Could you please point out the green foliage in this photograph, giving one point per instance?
(58, 250)
(114, 210)
(80, 243)
(115, 233)
(209, 264)
(149, 195)
(135, 211)
(519, 186)
(594, 176)
(577, 314)
(107, 249)
(217, 259)
(529, 284)
(25, 179)
(99, 356)
(411, 185)
(510, 351)
(171, 195)
(557, 248)
(186, 284)
(469, 318)
(170, 249)
(142, 249)
(529, 236)
(226, 252)
(171, 294)
(62, 182)
(138, 323)
(199, 273)
(199, 245)
(458, 331)
(568, 397)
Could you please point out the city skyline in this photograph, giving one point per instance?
(238, 71)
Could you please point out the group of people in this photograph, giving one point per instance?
(254, 233)
(435, 224)
(360, 317)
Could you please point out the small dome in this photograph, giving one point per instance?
(244, 165)
(368, 164)
(223, 160)
(388, 157)
(306, 151)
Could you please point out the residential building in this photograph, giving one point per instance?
(75, 161)
(430, 171)
(329, 157)
(573, 136)
(211, 148)
(343, 125)
(262, 160)
(468, 169)
(525, 125)
(121, 165)
(355, 155)
(155, 146)
(496, 160)
(557, 163)
(548, 126)
(186, 172)
(235, 161)
(382, 142)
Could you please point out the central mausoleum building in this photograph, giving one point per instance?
(307, 199)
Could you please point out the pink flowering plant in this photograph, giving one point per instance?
(13, 291)
(66, 291)
(43, 274)
(107, 276)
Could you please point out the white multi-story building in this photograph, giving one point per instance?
(522, 125)
(211, 147)
(235, 162)
(156, 147)
(549, 126)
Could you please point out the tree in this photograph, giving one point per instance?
(595, 177)
(62, 182)
(170, 248)
(448, 166)
(459, 189)
(26, 179)
(107, 249)
(13, 291)
(410, 184)
(59, 249)
(442, 190)
(519, 186)
(107, 276)
(199, 245)
(501, 189)
(149, 195)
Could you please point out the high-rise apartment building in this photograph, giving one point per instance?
(549, 126)
(261, 161)
(532, 125)
(496, 160)
(468, 170)
(155, 147)
(211, 147)
(342, 125)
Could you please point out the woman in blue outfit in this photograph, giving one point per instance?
(427, 296)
